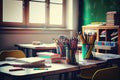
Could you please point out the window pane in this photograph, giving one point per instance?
(55, 14)
(56, 1)
(37, 12)
(12, 11)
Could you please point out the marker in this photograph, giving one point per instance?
(40, 68)
(16, 69)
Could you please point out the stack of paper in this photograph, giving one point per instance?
(49, 56)
(106, 56)
(89, 62)
(31, 62)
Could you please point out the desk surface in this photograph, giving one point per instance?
(53, 46)
(30, 73)
(41, 46)
(56, 68)
(37, 48)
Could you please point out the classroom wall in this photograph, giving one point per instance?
(11, 37)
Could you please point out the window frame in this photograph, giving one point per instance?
(26, 23)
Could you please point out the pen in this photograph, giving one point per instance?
(40, 68)
(16, 69)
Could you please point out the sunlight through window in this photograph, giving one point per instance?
(37, 12)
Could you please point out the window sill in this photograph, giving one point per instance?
(33, 30)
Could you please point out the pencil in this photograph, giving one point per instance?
(40, 68)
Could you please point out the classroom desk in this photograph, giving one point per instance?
(112, 59)
(28, 74)
(30, 48)
(56, 68)
(59, 68)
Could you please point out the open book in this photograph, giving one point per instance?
(31, 62)
(26, 62)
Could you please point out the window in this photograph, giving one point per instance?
(32, 13)
(55, 16)
(37, 12)
(12, 11)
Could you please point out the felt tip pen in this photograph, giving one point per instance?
(40, 68)
(16, 69)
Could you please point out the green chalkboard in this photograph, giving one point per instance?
(95, 10)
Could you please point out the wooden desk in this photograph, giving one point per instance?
(112, 59)
(56, 68)
(30, 73)
(38, 48)
(35, 48)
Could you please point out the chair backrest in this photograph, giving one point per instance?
(111, 73)
(11, 53)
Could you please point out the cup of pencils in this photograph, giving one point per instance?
(71, 49)
(61, 45)
(88, 41)
(67, 48)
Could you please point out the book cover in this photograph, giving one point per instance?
(48, 55)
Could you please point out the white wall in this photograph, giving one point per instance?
(72, 14)
(8, 38)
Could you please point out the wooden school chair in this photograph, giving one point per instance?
(11, 53)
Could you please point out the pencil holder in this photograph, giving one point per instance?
(67, 48)
(87, 51)
(84, 51)
(60, 49)
(70, 57)
(88, 41)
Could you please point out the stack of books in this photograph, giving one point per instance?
(112, 18)
(49, 56)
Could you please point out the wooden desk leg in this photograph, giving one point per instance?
(34, 53)
(60, 77)
(74, 75)
(66, 76)
(43, 78)
(25, 50)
